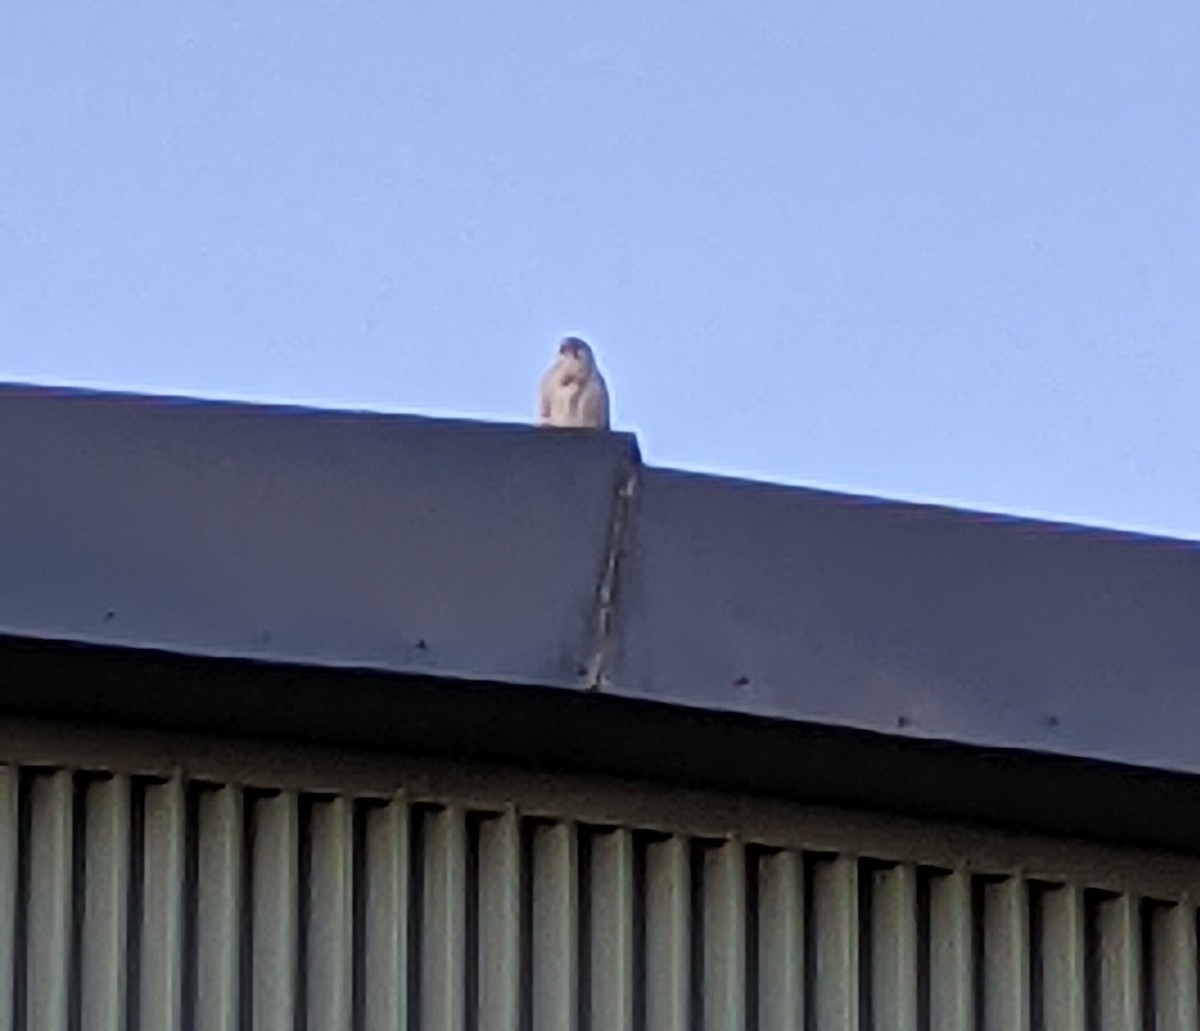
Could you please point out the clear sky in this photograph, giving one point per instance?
(924, 248)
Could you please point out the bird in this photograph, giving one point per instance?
(573, 393)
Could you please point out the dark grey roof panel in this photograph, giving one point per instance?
(506, 554)
(390, 542)
(911, 620)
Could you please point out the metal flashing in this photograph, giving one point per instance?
(511, 554)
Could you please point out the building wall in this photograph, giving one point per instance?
(154, 883)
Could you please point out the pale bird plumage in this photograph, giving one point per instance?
(573, 392)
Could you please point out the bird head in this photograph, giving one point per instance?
(576, 351)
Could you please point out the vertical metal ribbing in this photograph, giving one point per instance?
(218, 910)
(556, 927)
(835, 922)
(48, 932)
(612, 992)
(724, 937)
(894, 949)
(668, 935)
(105, 883)
(161, 977)
(1174, 930)
(1061, 955)
(329, 935)
(951, 963)
(781, 942)
(105, 907)
(9, 877)
(1120, 966)
(500, 923)
(385, 911)
(275, 873)
(444, 930)
(1006, 956)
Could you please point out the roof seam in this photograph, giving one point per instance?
(606, 594)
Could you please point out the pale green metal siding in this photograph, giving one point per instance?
(155, 884)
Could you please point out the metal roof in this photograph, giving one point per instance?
(556, 559)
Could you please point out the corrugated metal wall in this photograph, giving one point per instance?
(145, 889)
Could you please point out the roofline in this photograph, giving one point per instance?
(460, 551)
(983, 515)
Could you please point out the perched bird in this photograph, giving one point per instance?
(573, 391)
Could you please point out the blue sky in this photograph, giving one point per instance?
(929, 249)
